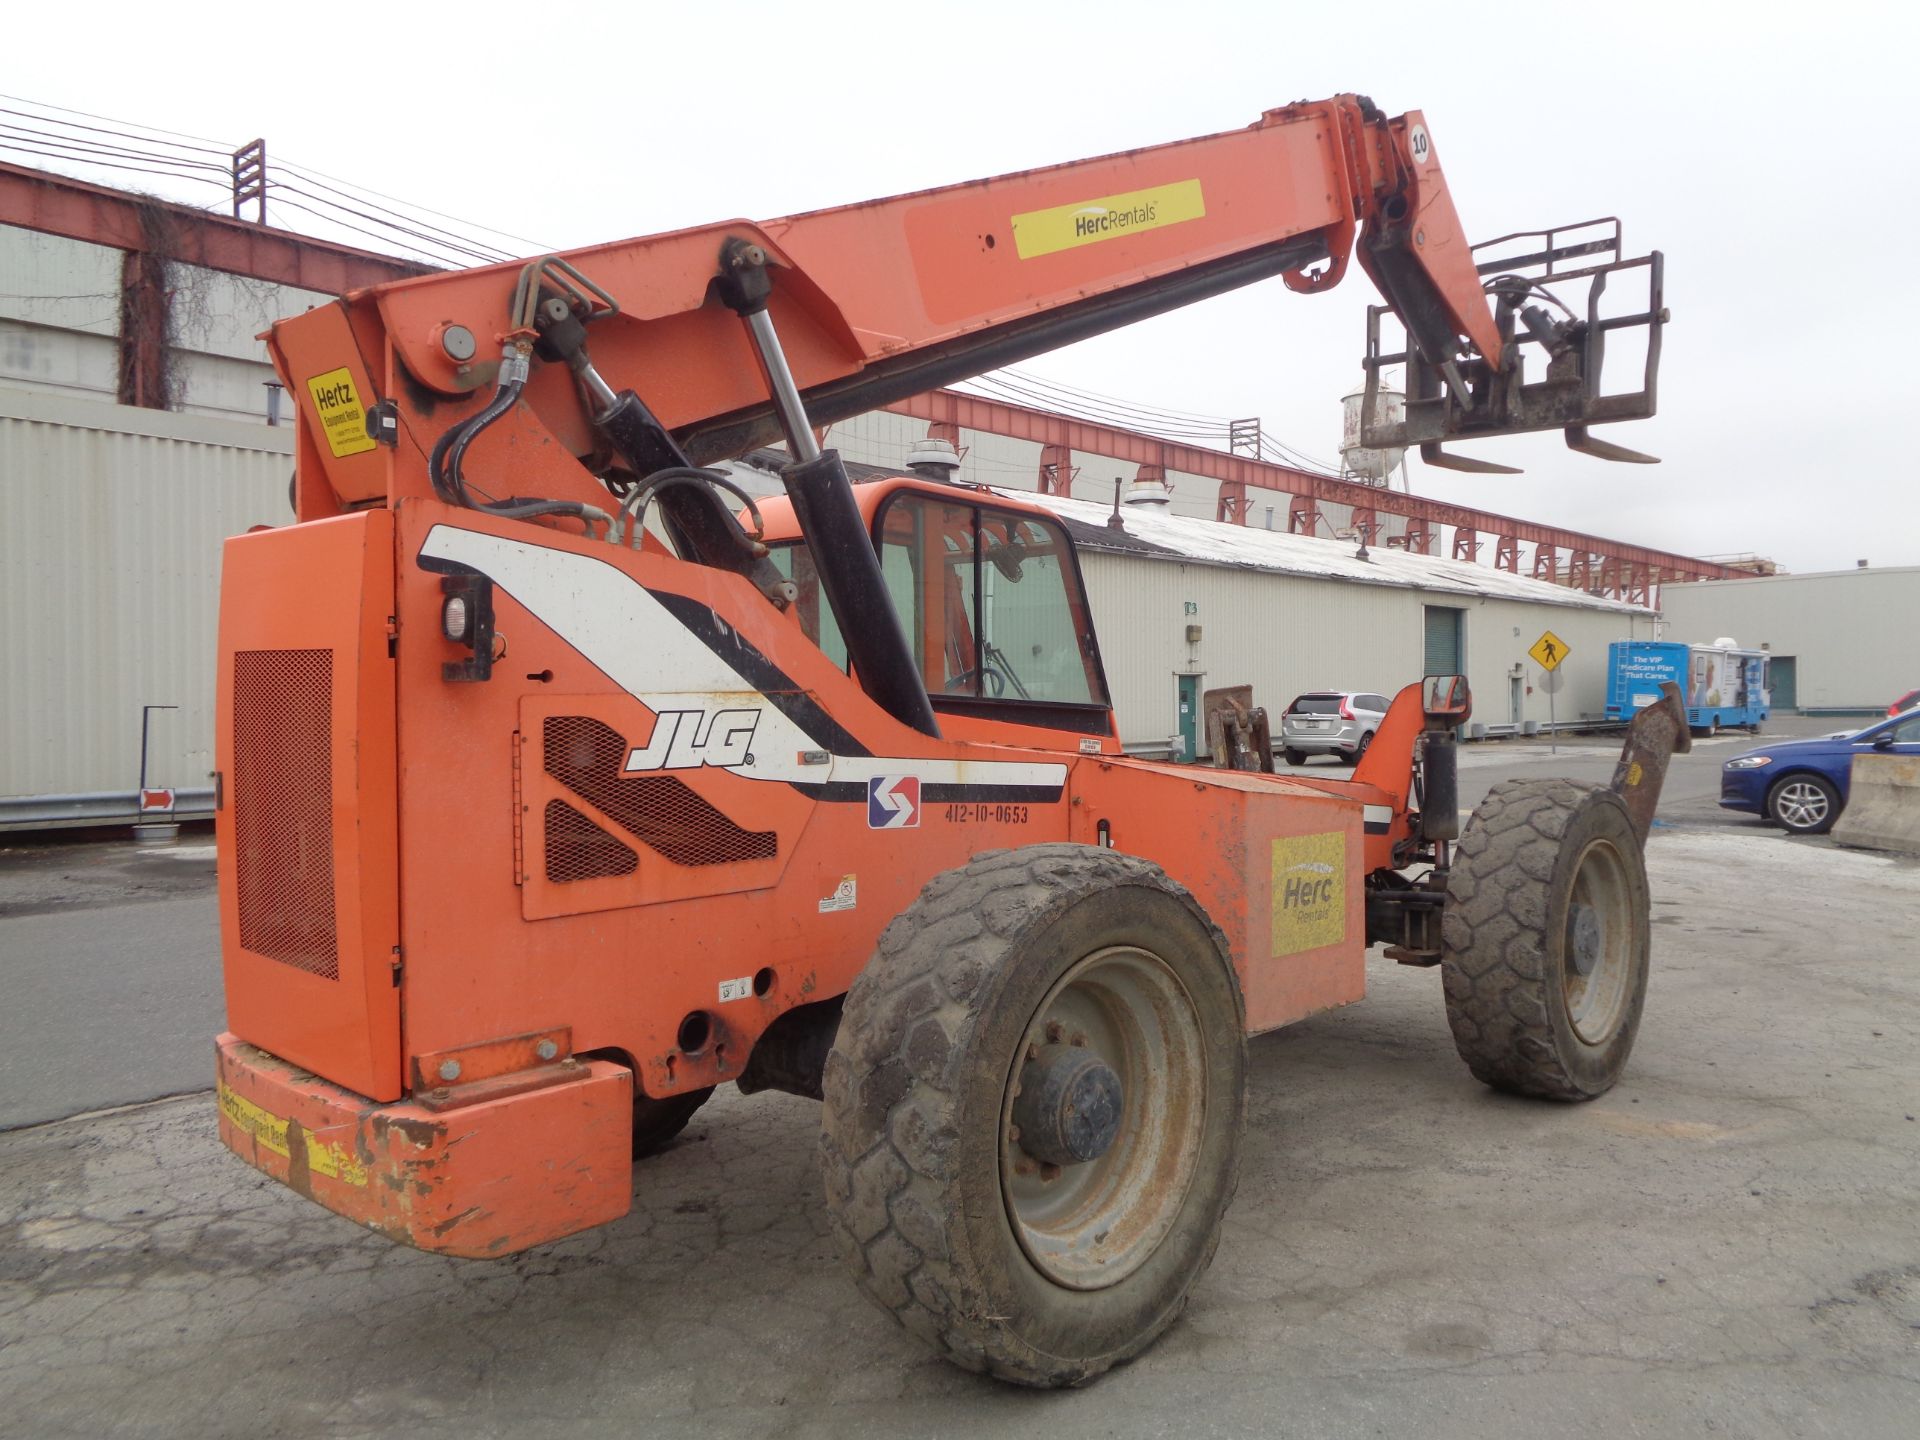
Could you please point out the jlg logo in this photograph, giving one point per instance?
(688, 739)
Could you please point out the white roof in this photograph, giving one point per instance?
(1213, 542)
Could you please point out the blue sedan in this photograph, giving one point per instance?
(1802, 784)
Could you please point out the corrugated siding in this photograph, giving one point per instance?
(1852, 633)
(1285, 634)
(109, 579)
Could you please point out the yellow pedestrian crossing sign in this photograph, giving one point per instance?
(1548, 651)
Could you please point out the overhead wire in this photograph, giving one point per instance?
(121, 145)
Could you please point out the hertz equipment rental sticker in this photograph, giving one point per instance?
(341, 416)
(1042, 232)
(1309, 892)
(270, 1131)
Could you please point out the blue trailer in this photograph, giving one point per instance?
(1724, 685)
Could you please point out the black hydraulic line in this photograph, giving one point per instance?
(444, 467)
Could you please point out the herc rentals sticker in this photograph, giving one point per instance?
(1042, 232)
(1309, 892)
(343, 419)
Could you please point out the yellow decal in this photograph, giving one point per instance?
(1548, 651)
(1042, 232)
(271, 1133)
(341, 416)
(1309, 892)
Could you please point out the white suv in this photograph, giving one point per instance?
(1331, 722)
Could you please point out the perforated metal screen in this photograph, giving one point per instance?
(578, 849)
(282, 797)
(661, 811)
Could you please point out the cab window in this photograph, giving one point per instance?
(991, 602)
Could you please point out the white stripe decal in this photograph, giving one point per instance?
(613, 621)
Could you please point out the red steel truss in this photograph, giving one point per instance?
(1568, 557)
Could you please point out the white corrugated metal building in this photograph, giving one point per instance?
(1846, 641)
(111, 518)
(1289, 613)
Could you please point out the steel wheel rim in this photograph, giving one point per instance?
(1089, 1226)
(1597, 1000)
(1802, 804)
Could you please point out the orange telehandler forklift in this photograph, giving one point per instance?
(560, 784)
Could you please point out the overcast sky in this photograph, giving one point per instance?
(1765, 148)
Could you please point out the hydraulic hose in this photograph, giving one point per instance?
(444, 464)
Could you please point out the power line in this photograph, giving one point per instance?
(120, 145)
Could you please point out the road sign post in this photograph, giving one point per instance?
(1548, 652)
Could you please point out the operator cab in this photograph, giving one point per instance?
(991, 599)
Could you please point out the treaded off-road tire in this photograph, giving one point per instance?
(1524, 1017)
(657, 1122)
(920, 1084)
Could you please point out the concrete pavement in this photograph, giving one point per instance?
(110, 963)
(1727, 1243)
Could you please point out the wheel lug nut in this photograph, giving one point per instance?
(1049, 1172)
(1054, 1032)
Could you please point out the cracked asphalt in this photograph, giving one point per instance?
(1728, 1243)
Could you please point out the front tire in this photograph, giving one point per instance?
(1546, 940)
(1006, 973)
(1803, 804)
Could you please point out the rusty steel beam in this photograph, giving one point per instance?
(1309, 490)
(56, 205)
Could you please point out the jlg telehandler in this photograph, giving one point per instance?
(560, 786)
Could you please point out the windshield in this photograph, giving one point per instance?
(991, 602)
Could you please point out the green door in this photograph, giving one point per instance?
(1189, 715)
(1783, 682)
(1443, 648)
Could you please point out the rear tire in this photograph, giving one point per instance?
(1295, 757)
(1803, 804)
(657, 1122)
(1546, 940)
(948, 1222)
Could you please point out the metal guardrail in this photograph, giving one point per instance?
(99, 807)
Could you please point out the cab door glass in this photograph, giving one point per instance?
(991, 601)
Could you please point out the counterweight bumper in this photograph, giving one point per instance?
(483, 1180)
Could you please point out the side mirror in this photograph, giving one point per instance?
(1884, 740)
(1446, 697)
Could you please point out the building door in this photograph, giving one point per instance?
(1189, 715)
(1515, 698)
(1784, 682)
(1444, 653)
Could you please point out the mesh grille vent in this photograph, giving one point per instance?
(660, 811)
(578, 849)
(283, 806)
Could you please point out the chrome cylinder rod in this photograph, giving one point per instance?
(786, 395)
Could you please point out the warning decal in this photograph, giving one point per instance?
(1309, 892)
(342, 417)
(270, 1132)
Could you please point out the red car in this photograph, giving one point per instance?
(1905, 702)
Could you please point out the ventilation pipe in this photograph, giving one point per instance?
(935, 460)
